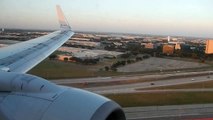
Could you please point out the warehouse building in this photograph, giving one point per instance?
(209, 47)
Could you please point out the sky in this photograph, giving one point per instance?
(158, 17)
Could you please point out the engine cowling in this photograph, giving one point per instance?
(33, 98)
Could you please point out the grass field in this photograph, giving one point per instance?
(52, 69)
(159, 99)
(55, 69)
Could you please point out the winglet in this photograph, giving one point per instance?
(64, 25)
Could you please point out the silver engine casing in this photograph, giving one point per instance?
(27, 97)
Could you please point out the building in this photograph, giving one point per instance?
(149, 46)
(186, 48)
(177, 46)
(209, 47)
(67, 58)
(169, 39)
(168, 49)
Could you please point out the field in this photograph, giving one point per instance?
(52, 69)
(160, 64)
(160, 99)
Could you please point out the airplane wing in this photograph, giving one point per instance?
(28, 97)
(23, 56)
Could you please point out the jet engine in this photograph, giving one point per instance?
(28, 97)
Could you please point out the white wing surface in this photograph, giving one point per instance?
(23, 56)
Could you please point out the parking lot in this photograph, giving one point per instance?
(153, 64)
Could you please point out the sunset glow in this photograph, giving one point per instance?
(162, 17)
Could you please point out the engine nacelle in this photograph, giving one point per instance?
(28, 97)
(80, 105)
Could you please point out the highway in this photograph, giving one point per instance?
(144, 81)
(175, 112)
(129, 77)
(131, 88)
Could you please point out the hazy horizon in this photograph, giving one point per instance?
(158, 17)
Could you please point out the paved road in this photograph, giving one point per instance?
(175, 79)
(176, 112)
(183, 112)
(131, 88)
(126, 77)
(188, 117)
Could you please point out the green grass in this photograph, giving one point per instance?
(52, 69)
(56, 69)
(159, 99)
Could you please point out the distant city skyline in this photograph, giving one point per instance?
(160, 17)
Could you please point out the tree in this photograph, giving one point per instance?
(106, 68)
(114, 69)
(126, 55)
(145, 56)
(123, 62)
(53, 56)
(128, 61)
(139, 58)
(66, 59)
(71, 58)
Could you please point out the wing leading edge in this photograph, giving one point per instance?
(27, 97)
(24, 56)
